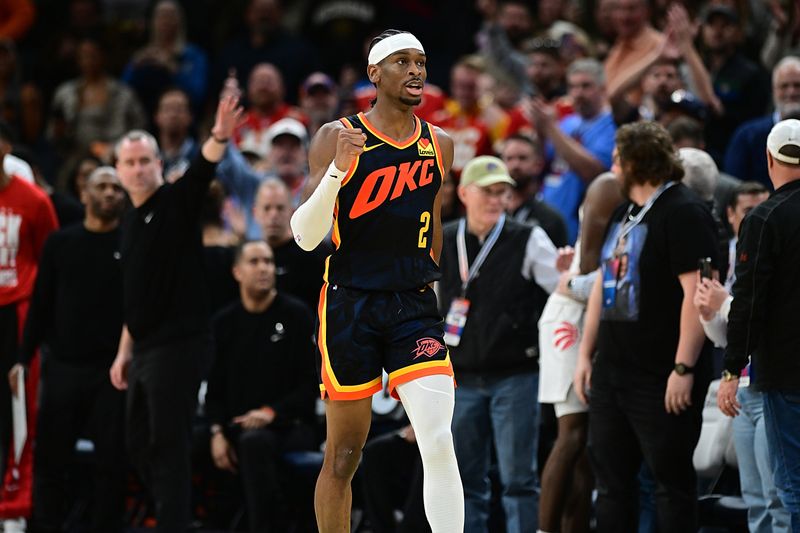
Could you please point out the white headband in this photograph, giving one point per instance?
(390, 45)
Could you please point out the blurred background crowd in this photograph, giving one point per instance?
(75, 75)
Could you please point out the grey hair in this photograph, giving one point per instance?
(793, 61)
(134, 136)
(273, 182)
(785, 109)
(591, 67)
(700, 172)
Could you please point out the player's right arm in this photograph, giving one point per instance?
(333, 151)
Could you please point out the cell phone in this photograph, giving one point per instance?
(705, 268)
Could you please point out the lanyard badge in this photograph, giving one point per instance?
(455, 321)
(456, 317)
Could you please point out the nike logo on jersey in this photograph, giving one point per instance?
(377, 186)
(368, 148)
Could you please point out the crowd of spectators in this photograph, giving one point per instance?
(542, 85)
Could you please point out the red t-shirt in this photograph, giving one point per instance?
(26, 219)
(250, 134)
(470, 134)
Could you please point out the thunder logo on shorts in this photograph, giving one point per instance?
(376, 311)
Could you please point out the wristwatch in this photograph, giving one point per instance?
(682, 369)
(729, 376)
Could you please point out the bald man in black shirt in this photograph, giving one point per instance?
(164, 351)
(262, 390)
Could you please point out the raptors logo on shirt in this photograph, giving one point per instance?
(565, 337)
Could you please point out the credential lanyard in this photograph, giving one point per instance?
(631, 222)
(468, 272)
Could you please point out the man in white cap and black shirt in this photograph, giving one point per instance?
(766, 299)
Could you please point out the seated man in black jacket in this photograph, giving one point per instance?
(262, 389)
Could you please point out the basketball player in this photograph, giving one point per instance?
(376, 177)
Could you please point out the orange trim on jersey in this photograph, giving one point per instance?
(410, 373)
(335, 237)
(440, 165)
(388, 140)
(350, 171)
(330, 385)
(438, 151)
(354, 165)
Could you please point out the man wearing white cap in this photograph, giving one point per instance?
(287, 141)
(376, 176)
(766, 302)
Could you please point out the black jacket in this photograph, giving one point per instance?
(763, 319)
(164, 285)
(501, 335)
(263, 359)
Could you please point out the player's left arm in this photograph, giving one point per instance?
(446, 155)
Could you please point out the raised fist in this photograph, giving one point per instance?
(349, 145)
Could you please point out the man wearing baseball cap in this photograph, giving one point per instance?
(496, 275)
(766, 302)
(243, 170)
(319, 100)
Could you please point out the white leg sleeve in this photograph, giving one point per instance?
(429, 403)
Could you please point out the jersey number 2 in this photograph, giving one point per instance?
(425, 220)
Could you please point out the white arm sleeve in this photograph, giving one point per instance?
(539, 264)
(717, 328)
(312, 221)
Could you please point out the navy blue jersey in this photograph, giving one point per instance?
(383, 218)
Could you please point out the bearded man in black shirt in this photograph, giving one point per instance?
(649, 376)
(76, 312)
(165, 351)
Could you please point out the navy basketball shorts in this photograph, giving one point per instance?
(360, 333)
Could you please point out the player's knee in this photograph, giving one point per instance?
(436, 443)
(345, 460)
